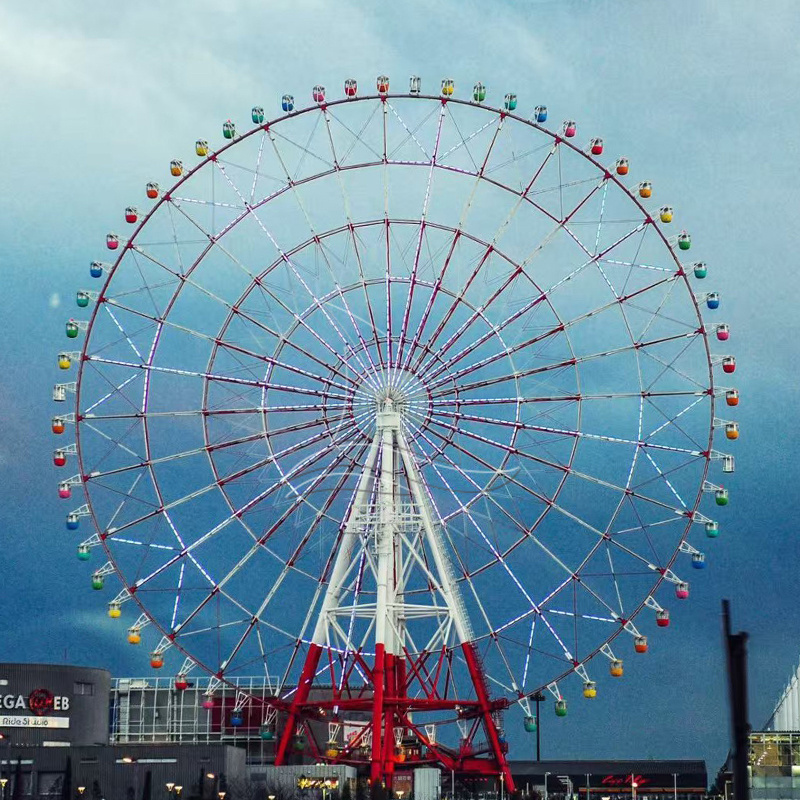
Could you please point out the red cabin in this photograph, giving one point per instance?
(662, 618)
(131, 215)
(729, 364)
(596, 146)
(59, 458)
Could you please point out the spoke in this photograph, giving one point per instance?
(420, 238)
(209, 376)
(317, 241)
(354, 240)
(248, 506)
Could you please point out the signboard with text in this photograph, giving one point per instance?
(33, 722)
(39, 704)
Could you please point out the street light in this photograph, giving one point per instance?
(221, 795)
(170, 786)
(634, 787)
(178, 790)
(545, 785)
(3, 782)
(81, 790)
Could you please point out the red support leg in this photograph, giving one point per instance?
(378, 679)
(388, 721)
(300, 697)
(479, 682)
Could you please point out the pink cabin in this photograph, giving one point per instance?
(64, 491)
(682, 590)
(596, 146)
(570, 128)
(723, 332)
(318, 93)
(208, 703)
(112, 241)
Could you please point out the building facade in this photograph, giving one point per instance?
(52, 706)
(111, 738)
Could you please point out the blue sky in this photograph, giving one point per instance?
(97, 99)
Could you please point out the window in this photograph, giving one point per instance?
(83, 688)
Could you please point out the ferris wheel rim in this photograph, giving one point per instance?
(313, 108)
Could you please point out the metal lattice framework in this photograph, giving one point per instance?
(406, 400)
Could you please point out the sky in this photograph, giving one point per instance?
(97, 96)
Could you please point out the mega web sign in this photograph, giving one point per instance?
(36, 707)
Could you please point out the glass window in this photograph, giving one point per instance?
(50, 784)
(83, 688)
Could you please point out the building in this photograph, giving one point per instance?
(55, 724)
(54, 706)
(111, 738)
(774, 758)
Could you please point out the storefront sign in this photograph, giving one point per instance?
(39, 701)
(34, 722)
(624, 780)
(310, 782)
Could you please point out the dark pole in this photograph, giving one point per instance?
(538, 698)
(736, 649)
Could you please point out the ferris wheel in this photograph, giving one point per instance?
(406, 403)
